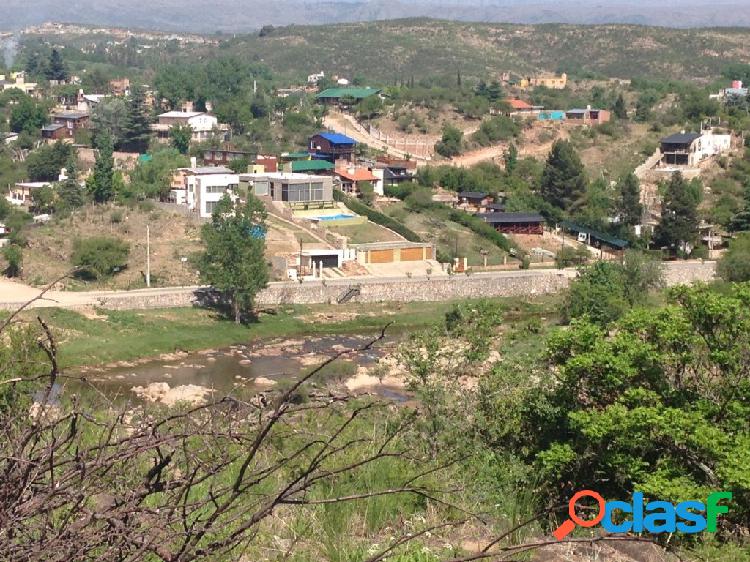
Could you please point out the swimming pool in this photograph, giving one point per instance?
(337, 217)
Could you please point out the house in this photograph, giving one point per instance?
(8, 138)
(202, 188)
(551, 81)
(21, 193)
(120, 86)
(351, 179)
(515, 223)
(204, 126)
(588, 116)
(596, 239)
(288, 187)
(332, 147)
(395, 171)
(473, 201)
(391, 252)
(54, 132)
(17, 81)
(313, 79)
(72, 121)
(4, 233)
(335, 96)
(223, 156)
(690, 149)
(520, 108)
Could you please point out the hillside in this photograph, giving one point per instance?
(387, 51)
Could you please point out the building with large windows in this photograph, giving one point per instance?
(289, 187)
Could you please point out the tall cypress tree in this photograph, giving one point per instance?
(619, 109)
(564, 180)
(101, 183)
(56, 69)
(137, 130)
(678, 228)
(629, 206)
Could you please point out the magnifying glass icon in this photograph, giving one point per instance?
(570, 524)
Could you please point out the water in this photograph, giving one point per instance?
(232, 370)
(340, 216)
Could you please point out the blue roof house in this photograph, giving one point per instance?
(332, 147)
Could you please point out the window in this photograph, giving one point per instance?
(210, 206)
(215, 189)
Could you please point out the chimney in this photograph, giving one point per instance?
(193, 162)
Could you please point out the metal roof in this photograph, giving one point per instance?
(311, 166)
(472, 194)
(356, 93)
(337, 138)
(680, 138)
(510, 218)
(600, 236)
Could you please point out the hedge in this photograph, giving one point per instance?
(478, 226)
(376, 216)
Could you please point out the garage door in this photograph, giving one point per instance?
(381, 256)
(412, 254)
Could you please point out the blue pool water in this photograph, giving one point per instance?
(333, 217)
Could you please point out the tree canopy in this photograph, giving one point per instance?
(564, 180)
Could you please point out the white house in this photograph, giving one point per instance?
(313, 79)
(204, 125)
(204, 187)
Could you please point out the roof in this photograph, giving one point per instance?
(390, 245)
(311, 166)
(207, 170)
(181, 114)
(496, 206)
(360, 174)
(472, 194)
(519, 104)
(356, 93)
(605, 238)
(578, 111)
(53, 127)
(32, 184)
(301, 154)
(337, 138)
(70, 114)
(511, 218)
(680, 138)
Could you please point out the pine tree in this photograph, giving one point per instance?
(101, 183)
(619, 108)
(629, 206)
(564, 179)
(70, 193)
(458, 78)
(137, 129)
(56, 69)
(678, 229)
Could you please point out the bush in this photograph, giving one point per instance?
(99, 257)
(569, 256)
(376, 216)
(478, 226)
(495, 130)
(734, 265)
(14, 256)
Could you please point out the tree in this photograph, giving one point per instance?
(451, 143)
(101, 183)
(99, 257)
(678, 228)
(56, 68)
(734, 265)
(153, 177)
(657, 403)
(233, 261)
(70, 193)
(28, 116)
(370, 107)
(13, 255)
(180, 137)
(564, 178)
(43, 199)
(629, 207)
(137, 125)
(510, 158)
(366, 192)
(46, 162)
(741, 221)
(111, 115)
(619, 108)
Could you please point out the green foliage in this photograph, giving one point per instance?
(101, 184)
(496, 129)
(13, 255)
(99, 257)
(678, 228)
(568, 256)
(564, 180)
(153, 178)
(180, 137)
(45, 163)
(451, 143)
(137, 125)
(233, 261)
(478, 226)
(43, 199)
(28, 116)
(629, 207)
(734, 265)
(56, 68)
(604, 291)
(657, 404)
(111, 115)
(376, 216)
(619, 109)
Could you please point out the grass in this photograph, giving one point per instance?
(365, 233)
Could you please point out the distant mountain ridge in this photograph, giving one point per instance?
(231, 16)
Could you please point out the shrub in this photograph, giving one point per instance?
(734, 265)
(99, 257)
(376, 216)
(14, 256)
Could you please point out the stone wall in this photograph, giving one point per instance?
(687, 272)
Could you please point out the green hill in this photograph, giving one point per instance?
(386, 51)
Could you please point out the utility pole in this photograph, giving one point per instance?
(148, 256)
